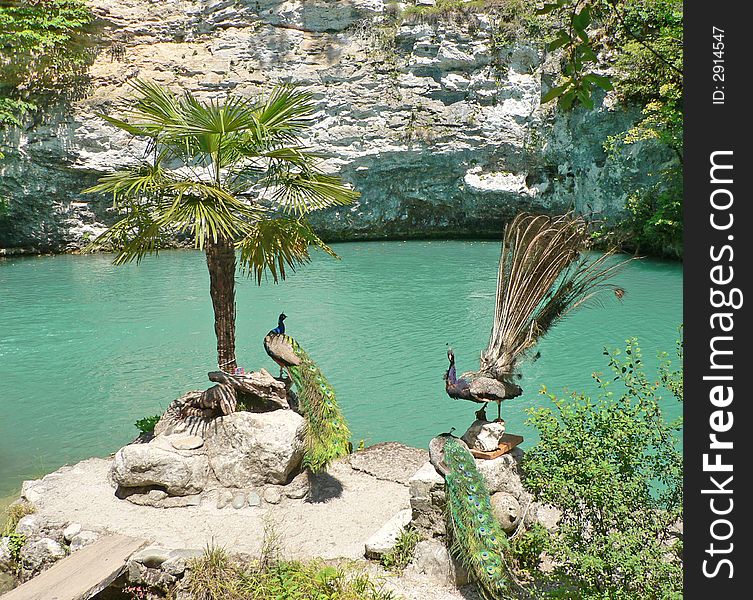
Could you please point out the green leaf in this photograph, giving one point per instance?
(582, 19)
(273, 246)
(555, 92)
(603, 82)
(559, 41)
(584, 96)
(547, 8)
(566, 100)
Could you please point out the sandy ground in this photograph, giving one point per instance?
(335, 528)
(355, 501)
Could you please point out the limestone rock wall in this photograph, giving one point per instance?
(439, 125)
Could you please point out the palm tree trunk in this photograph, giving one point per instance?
(221, 265)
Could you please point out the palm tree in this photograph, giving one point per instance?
(234, 176)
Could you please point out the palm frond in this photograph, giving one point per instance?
(275, 245)
(154, 109)
(543, 276)
(286, 113)
(133, 182)
(208, 212)
(301, 192)
(209, 158)
(132, 237)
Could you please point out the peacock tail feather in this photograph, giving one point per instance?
(327, 433)
(477, 539)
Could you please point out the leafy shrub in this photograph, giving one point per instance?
(146, 425)
(402, 553)
(45, 53)
(526, 549)
(613, 466)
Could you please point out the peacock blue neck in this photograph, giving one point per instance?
(451, 373)
(280, 326)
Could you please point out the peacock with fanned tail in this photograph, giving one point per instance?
(478, 541)
(545, 273)
(327, 434)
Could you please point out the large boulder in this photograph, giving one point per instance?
(179, 473)
(247, 449)
(502, 474)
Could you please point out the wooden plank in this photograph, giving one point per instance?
(82, 574)
(507, 442)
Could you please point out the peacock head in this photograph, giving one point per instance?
(450, 355)
(282, 317)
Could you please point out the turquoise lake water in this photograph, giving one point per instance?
(87, 348)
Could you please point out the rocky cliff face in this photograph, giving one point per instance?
(439, 125)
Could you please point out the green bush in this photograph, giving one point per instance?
(613, 466)
(45, 51)
(526, 549)
(146, 425)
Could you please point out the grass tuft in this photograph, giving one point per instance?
(403, 552)
(13, 514)
(219, 576)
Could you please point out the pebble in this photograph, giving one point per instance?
(254, 499)
(239, 500)
(71, 531)
(273, 495)
(224, 499)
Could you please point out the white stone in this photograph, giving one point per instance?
(432, 559)
(40, 554)
(138, 465)
(84, 538)
(71, 531)
(424, 481)
(248, 449)
(507, 510)
(186, 442)
(484, 435)
(29, 525)
(384, 539)
(272, 495)
(502, 474)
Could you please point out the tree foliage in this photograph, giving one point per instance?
(613, 466)
(635, 48)
(221, 170)
(45, 52)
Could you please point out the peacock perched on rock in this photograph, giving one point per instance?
(544, 275)
(478, 541)
(479, 389)
(327, 434)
